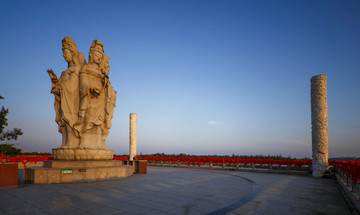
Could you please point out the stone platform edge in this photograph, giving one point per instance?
(241, 169)
(43, 175)
(348, 195)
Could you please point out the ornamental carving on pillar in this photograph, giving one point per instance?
(319, 124)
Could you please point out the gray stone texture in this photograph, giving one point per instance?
(86, 173)
(319, 125)
(84, 103)
(181, 191)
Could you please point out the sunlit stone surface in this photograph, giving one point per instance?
(84, 103)
(319, 125)
(84, 106)
(133, 119)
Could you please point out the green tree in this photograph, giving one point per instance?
(7, 148)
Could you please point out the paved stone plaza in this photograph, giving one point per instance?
(180, 191)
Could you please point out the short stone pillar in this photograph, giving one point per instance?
(133, 119)
(8, 174)
(319, 125)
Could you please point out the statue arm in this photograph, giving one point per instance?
(54, 80)
(52, 75)
(104, 82)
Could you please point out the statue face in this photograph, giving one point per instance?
(67, 55)
(96, 57)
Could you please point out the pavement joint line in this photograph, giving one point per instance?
(249, 197)
(27, 202)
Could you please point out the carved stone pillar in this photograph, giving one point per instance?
(133, 119)
(319, 125)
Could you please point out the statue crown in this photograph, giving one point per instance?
(69, 43)
(97, 46)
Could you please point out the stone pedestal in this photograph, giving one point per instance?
(319, 125)
(77, 171)
(62, 153)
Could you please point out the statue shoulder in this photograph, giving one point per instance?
(65, 73)
(90, 69)
(81, 59)
(84, 67)
(77, 68)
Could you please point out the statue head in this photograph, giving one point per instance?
(70, 51)
(96, 53)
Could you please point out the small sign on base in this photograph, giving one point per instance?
(66, 171)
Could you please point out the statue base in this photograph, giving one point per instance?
(54, 172)
(82, 154)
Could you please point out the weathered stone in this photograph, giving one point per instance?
(84, 106)
(319, 125)
(82, 154)
(81, 164)
(44, 175)
(133, 119)
(84, 103)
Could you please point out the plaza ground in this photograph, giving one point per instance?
(181, 191)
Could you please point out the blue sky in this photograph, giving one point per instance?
(204, 77)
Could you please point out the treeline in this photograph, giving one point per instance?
(36, 153)
(345, 158)
(274, 157)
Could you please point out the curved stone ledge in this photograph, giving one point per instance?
(82, 154)
(43, 175)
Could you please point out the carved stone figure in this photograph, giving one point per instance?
(110, 100)
(84, 104)
(319, 124)
(66, 92)
(97, 99)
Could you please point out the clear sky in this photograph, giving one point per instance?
(204, 77)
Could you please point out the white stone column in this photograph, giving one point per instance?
(319, 125)
(133, 119)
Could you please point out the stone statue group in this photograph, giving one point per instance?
(84, 103)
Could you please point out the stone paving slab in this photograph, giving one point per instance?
(180, 191)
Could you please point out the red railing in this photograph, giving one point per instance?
(25, 159)
(121, 158)
(350, 169)
(349, 173)
(227, 161)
